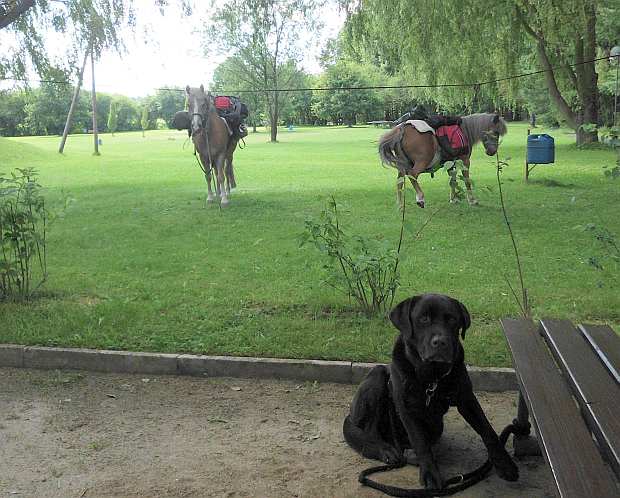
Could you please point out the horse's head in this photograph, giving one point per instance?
(490, 136)
(198, 107)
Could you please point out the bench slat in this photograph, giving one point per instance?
(576, 464)
(606, 343)
(592, 385)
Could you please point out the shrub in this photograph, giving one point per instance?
(23, 226)
(366, 269)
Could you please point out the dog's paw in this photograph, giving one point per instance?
(391, 456)
(430, 477)
(504, 466)
(411, 457)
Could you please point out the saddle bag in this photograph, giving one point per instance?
(223, 103)
(453, 142)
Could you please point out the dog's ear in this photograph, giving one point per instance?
(465, 317)
(400, 315)
(496, 119)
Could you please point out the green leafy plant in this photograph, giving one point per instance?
(608, 252)
(366, 269)
(363, 268)
(23, 230)
(522, 300)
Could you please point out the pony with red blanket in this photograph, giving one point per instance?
(413, 149)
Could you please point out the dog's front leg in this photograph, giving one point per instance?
(471, 411)
(430, 477)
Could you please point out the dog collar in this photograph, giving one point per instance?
(430, 390)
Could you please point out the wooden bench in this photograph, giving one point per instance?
(569, 380)
(383, 124)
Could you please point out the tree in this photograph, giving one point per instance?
(113, 117)
(129, 114)
(47, 106)
(12, 112)
(167, 102)
(342, 105)
(263, 36)
(144, 120)
(488, 46)
(98, 21)
(229, 77)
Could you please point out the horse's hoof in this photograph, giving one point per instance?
(473, 202)
(224, 202)
(454, 200)
(210, 199)
(420, 203)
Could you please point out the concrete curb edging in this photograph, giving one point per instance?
(343, 372)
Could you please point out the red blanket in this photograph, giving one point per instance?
(455, 137)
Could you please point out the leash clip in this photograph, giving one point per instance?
(430, 390)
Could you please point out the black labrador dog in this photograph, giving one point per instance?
(398, 409)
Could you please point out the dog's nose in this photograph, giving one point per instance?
(438, 342)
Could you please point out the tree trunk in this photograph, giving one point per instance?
(12, 11)
(587, 79)
(76, 94)
(94, 98)
(585, 75)
(273, 118)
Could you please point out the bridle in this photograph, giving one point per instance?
(203, 127)
(490, 138)
(202, 118)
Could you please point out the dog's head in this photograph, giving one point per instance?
(430, 325)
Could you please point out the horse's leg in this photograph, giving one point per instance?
(230, 170)
(453, 184)
(470, 193)
(230, 174)
(221, 180)
(418, 168)
(419, 150)
(208, 177)
(400, 183)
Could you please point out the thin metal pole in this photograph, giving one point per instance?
(76, 94)
(94, 98)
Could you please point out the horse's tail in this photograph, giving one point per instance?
(391, 150)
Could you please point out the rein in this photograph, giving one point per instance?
(204, 128)
(453, 485)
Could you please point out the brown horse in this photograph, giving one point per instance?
(412, 152)
(214, 143)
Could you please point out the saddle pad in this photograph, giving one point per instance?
(421, 126)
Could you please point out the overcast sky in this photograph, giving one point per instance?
(171, 54)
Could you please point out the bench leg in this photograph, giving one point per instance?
(523, 443)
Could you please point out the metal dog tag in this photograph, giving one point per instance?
(429, 392)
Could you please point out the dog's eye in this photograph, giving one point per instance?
(424, 319)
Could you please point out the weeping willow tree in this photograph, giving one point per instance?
(452, 41)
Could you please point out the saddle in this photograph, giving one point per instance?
(234, 113)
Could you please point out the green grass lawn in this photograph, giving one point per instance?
(140, 263)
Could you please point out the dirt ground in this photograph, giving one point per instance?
(85, 435)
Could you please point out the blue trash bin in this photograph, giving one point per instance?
(540, 149)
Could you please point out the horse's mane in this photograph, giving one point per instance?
(475, 125)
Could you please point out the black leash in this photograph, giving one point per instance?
(453, 485)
